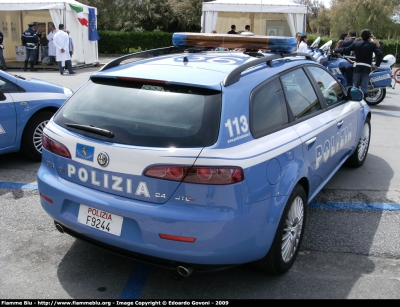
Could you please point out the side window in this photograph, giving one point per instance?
(331, 89)
(268, 109)
(300, 94)
(9, 87)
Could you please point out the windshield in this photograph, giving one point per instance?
(144, 114)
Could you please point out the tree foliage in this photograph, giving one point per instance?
(380, 16)
(317, 16)
(111, 15)
(375, 15)
(147, 15)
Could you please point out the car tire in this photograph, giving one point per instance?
(31, 142)
(374, 99)
(360, 154)
(288, 236)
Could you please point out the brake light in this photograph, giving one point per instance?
(199, 175)
(55, 147)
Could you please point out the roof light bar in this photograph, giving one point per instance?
(256, 42)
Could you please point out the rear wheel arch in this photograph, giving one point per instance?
(288, 236)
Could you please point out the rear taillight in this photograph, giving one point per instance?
(201, 175)
(55, 147)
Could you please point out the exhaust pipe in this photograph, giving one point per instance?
(185, 271)
(59, 227)
(373, 90)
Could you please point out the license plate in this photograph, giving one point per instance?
(101, 220)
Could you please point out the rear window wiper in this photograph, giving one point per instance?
(93, 129)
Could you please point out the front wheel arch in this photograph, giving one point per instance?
(31, 144)
(359, 155)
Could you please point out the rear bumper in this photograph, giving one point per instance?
(223, 237)
(165, 263)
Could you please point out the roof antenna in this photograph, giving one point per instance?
(185, 59)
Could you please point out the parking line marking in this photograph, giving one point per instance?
(136, 282)
(18, 185)
(354, 206)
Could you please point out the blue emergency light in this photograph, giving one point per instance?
(256, 42)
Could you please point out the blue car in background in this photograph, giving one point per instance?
(195, 158)
(26, 105)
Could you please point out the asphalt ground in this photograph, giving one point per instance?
(51, 73)
(351, 246)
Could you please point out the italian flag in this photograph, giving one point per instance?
(79, 14)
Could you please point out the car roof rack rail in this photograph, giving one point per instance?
(234, 75)
(141, 54)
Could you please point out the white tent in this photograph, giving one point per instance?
(15, 15)
(279, 16)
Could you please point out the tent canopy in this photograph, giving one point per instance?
(16, 14)
(295, 13)
(29, 5)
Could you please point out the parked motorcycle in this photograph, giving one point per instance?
(314, 46)
(380, 78)
(322, 54)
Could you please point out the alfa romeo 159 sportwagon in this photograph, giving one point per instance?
(201, 159)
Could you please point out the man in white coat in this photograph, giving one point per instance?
(52, 48)
(61, 42)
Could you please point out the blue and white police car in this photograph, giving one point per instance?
(26, 105)
(199, 159)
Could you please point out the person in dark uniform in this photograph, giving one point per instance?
(2, 60)
(39, 35)
(233, 30)
(348, 42)
(30, 39)
(363, 51)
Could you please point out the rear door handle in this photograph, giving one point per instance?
(311, 141)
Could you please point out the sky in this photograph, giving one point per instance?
(327, 3)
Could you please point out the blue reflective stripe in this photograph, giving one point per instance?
(136, 282)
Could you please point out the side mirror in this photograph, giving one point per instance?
(355, 94)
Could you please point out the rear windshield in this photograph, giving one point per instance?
(145, 114)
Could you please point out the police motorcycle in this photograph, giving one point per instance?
(314, 46)
(319, 54)
(380, 78)
(322, 54)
